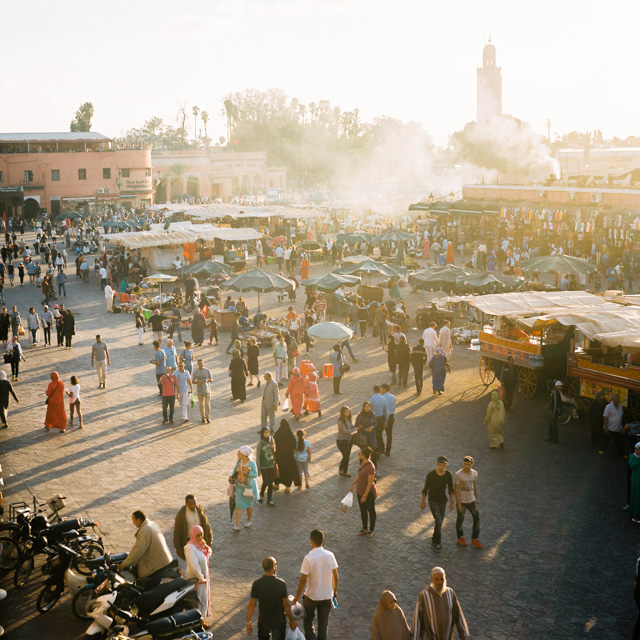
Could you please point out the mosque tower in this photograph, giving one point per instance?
(489, 91)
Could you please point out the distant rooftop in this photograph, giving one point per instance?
(64, 136)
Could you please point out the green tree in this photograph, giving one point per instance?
(196, 111)
(176, 174)
(82, 120)
(205, 118)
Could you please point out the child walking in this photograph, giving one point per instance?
(302, 456)
(74, 401)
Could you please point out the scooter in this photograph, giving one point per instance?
(57, 567)
(110, 609)
(181, 626)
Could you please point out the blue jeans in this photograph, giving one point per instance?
(438, 511)
(273, 631)
(345, 345)
(475, 514)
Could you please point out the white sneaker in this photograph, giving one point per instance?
(247, 524)
(235, 528)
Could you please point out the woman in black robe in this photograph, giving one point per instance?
(5, 325)
(285, 447)
(238, 372)
(69, 328)
(197, 328)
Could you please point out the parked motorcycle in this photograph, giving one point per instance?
(57, 567)
(182, 626)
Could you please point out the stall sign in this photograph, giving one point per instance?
(588, 389)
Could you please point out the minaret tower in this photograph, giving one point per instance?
(489, 96)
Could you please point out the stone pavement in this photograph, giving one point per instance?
(559, 552)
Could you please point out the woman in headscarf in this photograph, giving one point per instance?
(196, 553)
(439, 367)
(266, 464)
(68, 328)
(285, 449)
(5, 389)
(253, 365)
(109, 295)
(14, 351)
(389, 622)
(295, 391)
(450, 253)
(304, 267)
(56, 415)
(391, 358)
(312, 393)
(238, 373)
(494, 419)
(197, 327)
(244, 474)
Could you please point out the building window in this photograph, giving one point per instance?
(55, 175)
(106, 174)
(1, 176)
(125, 173)
(82, 174)
(147, 173)
(28, 176)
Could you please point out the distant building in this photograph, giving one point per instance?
(214, 173)
(57, 171)
(489, 89)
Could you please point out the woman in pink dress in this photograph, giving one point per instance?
(313, 394)
(295, 391)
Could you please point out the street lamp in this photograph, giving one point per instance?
(451, 196)
(431, 198)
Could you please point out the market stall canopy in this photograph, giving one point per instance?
(395, 236)
(371, 266)
(238, 212)
(558, 264)
(489, 280)
(159, 277)
(208, 267)
(148, 239)
(330, 331)
(70, 215)
(535, 303)
(445, 276)
(331, 281)
(225, 233)
(610, 324)
(356, 238)
(258, 280)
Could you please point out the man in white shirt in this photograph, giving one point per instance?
(280, 257)
(319, 574)
(445, 339)
(177, 263)
(613, 426)
(431, 342)
(287, 258)
(103, 277)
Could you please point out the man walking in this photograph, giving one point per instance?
(185, 387)
(103, 276)
(270, 401)
(100, 355)
(435, 489)
(169, 386)
(445, 339)
(403, 358)
(6, 388)
(319, 576)
(466, 488)
(430, 338)
(280, 359)
(613, 426)
(190, 515)
(391, 408)
(270, 594)
(61, 279)
(236, 331)
(202, 378)
(155, 322)
(160, 362)
(171, 353)
(556, 412)
(380, 409)
(418, 358)
(508, 378)
(47, 321)
(438, 611)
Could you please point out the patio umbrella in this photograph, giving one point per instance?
(356, 238)
(395, 236)
(310, 246)
(71, 215)
(330, 331)
(209, 267)
(483, 282)
(331, 281)
(444, 277)
(278, 240)
(371, 266)
(558, 264)
(159, 279)
(258, 280)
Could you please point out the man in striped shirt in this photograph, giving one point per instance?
(320, 308)
(438, 611)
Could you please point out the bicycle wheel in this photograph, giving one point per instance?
(87, 552)
(23, 571)
(48, 597)
(82, 601)
(9, 554)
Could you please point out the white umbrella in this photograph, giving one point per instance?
(159, 278)
(330, 331)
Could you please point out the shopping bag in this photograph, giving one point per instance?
(347, 503)
(286, 405)
(193, 400)
(294, 634)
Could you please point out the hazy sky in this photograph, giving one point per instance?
(574, 61)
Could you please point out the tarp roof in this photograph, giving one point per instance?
(533, 303)
(148, 239)
(238, 212)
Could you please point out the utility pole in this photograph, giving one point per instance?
(549, 130)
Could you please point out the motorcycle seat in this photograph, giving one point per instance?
(67, 535)
(184, 620)
(65, 525)
(116, 558)
(149, 600)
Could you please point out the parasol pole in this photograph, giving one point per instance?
(258, 300)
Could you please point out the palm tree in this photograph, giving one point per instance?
(176, 173)
(205, 118)
(196, 111)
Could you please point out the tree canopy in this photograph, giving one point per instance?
(82, 120)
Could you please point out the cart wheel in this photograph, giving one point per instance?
(634, 404)
(582, 404)
(487, 372)
(528, 382)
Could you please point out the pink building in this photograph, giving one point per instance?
(58, 171)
